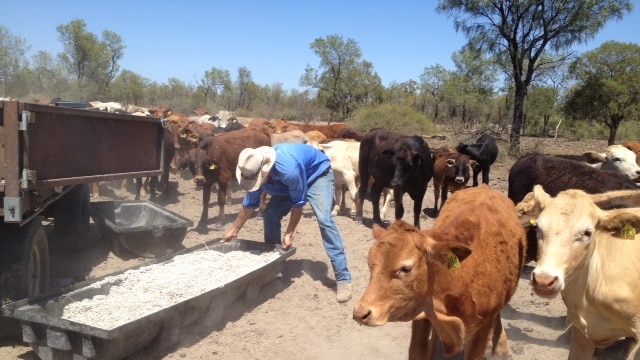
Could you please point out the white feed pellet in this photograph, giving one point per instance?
(138, 293)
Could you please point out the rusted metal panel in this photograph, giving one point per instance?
(60, 146)
(69, 146)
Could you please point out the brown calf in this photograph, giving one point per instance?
(215, 160)
(451, 172)
(451, 281)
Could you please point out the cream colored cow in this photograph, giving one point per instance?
(343, 155)
(589, 255)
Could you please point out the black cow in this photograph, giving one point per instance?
(395, 161)
(556, 174)
(484, 152)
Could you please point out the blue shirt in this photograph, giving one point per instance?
(297, 166)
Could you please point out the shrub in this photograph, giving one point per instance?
(397, 118)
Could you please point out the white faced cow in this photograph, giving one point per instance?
(617, 158)
(589, 256)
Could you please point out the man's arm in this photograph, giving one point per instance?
(296, 214)
(244, 215)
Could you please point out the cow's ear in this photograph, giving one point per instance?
(594, 157)
(417, 159)
(447, 253)
(474, 164)
(621, 221)
(378, 231)
(617, 199)
(388, 152)
(450, 162)
(531, 206)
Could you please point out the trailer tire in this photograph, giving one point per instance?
(71, 219)
(24, 268)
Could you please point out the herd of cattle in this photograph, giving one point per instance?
(577, 219)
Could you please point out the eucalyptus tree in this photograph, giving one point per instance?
(129, 88)
(432, 83)
(214, 82)
(518, 32)
(343, 81)
(91, 60)
(608, 86)
(52, 78)
(12, 59)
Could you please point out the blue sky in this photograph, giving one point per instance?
(183, 39)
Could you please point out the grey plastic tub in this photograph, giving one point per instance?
(140, 227)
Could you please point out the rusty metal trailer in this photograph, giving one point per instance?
(48, 156)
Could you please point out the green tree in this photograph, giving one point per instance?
(90, 60)
(51, 76)
(12, 59)
(213, 83)
(432, 83)
(343, 80)
(129, 88)
(518, 32)
(608, 88)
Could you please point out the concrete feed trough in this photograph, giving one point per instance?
(53, 337)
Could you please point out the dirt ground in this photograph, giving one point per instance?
(296, 315)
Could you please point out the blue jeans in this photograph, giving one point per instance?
(320, 197)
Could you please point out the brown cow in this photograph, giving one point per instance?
(451, 281)
(262, 124)
(215, 160)
(451, 172)
(330, 131)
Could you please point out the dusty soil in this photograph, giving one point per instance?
(296, 315)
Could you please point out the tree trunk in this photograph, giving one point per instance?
(518, 117)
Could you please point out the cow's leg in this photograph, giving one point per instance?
(362, 194)
(485, 175)
(387, 196)
(223, 187)
(476, 172)
(436, 195)
(477, 346)
(206, 197)
(337, 193)
(138, 188)
(444, 192)
(153, 187)
(350, 181)
(417, 206)
(420, 346)
(397, 198)
(375, 202)
(499, 348)
(581, 347)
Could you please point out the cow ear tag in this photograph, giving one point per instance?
(628, 232)
(212, 167)
(533, 222)
(452, 261)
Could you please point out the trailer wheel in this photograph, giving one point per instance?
(71, 218)
(24, 268)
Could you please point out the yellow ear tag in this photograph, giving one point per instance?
(183, 135)
(532, 221)
(212, 167)
(452, 261)
(628, 232)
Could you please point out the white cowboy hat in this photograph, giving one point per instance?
(253, 166)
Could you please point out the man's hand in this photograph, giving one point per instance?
(287, 242)
(230, 235)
